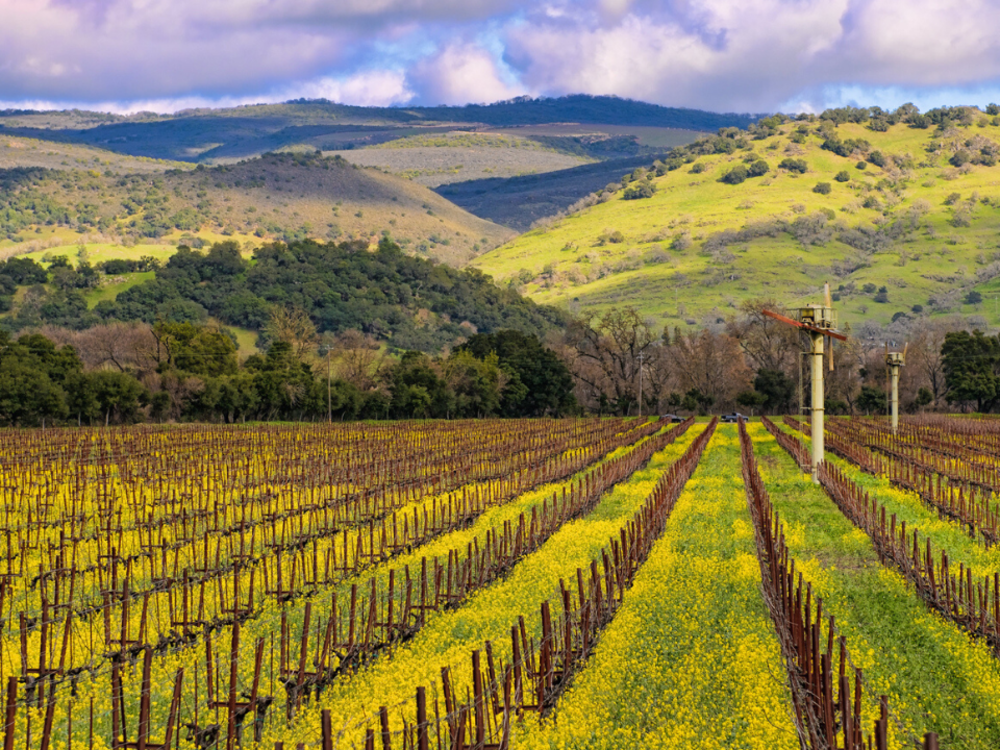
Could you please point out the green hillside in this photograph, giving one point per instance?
(907, 223)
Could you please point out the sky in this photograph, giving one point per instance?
(720, 55)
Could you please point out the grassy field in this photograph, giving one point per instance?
(700, 665)
(31, 152)
(457, 157)
(659, 254)
(291, 196)
(934, 676)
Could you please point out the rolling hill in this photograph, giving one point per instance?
(278, 196)
(901, 214)
(206, 135)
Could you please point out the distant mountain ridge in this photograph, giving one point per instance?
(204, 134)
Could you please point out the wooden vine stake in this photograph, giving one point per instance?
(142, 741)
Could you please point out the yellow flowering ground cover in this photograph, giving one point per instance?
(936, 679)
(449, 638)
(944, 534)
(264, 624)
(691, 659)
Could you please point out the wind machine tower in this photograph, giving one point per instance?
(819, 321)
(893, 362)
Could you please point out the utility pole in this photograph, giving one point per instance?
(893, 362)
(820, 322)
(641, 357)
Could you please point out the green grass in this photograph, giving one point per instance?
(936, 678)
(944, 534)
(246, 340)
(111, 288)
(651, 269)
(98, 252)
(691, 658)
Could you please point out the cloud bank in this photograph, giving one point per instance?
(723, 55)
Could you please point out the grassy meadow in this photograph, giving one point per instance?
(652, 253)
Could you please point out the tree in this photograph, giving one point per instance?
(417, 388)
(477, 384)
(823, 188)
(972, 368)
(292, 325)
(539, 382)
(358, 358)
(606, 355)
(758, 168)
(776, 389)
(794, 165)
(768, 343)
(925, 358)
(33, 374)
(639, 190)
(871, 400)
(751, 400)
(198, 350)
(117, 394)
(712, 364)
(736, 175)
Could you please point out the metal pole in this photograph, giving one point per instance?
(895, 398)
(801, 397)
(817, 404)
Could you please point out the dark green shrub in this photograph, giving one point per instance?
(794, 165)
(736, 175)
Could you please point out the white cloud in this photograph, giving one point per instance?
(747, 55)
(459, 74)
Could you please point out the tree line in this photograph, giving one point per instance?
(125, 373)
(753, 363)
(407, 302)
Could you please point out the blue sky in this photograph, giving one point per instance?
(722, 55)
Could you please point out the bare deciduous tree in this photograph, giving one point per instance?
(293, 326)
(606, 355)
(358, 358)
(712, 363)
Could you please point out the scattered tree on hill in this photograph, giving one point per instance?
(790, 164)
(736, 175)
(638, 190)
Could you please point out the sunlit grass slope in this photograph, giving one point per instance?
(919, 226)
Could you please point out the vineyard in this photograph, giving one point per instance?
(591, 583)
